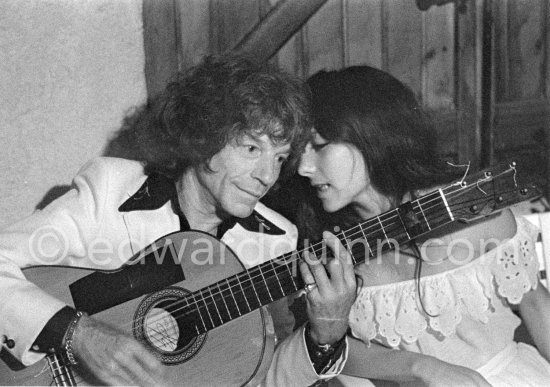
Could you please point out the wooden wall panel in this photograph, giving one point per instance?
(526, 49)
(438, 76)
(160, 43)
(324, 43)
(278, 25)
(468, 69)
(520, 124)
(290, 56)
(519, 128)
(230, 20)
(520, 52)
(439, 53)
(403, 33)
(194, 39)
(521, 134)
(363, 32)
(447, 135)
(498, 11)
(546, 73)
(526, 56)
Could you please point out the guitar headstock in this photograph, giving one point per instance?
(488, 191)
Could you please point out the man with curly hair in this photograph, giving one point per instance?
(204, 153)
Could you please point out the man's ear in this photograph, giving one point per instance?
(205, 166)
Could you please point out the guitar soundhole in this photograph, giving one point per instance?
(164, 323)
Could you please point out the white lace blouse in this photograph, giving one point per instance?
(468, 319)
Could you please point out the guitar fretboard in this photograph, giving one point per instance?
(258, 286)
(62, 375)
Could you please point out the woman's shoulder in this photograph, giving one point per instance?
(452, 247)
(505, 269)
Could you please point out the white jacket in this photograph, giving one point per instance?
(72, 230)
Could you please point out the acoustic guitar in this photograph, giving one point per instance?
(203, 317)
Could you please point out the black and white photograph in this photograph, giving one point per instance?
(334, 193)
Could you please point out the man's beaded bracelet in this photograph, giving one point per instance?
(69, 337)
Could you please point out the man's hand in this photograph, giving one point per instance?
(115, 358)
(330, 299)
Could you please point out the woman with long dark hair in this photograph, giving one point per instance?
(444, 302)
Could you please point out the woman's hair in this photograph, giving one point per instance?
(379, 115)
(204, 108)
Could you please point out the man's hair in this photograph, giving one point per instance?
(204, 108)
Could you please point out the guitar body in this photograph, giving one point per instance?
(236, 353)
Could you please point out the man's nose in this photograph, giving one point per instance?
(267, 172)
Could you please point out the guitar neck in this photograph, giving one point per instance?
(278, 278)
(62, 375)
(401, 225)
(483, 193)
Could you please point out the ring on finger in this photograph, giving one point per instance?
(309, 287)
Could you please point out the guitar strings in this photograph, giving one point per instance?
(220, 292)
(241, 280)
(247, 273)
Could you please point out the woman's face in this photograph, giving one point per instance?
(337, 171)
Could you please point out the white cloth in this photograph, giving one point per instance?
(471, 322)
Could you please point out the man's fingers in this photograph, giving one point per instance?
(337, 247)
(144, 364)
(338, 273)
(318, 271)
(117, 359)
(306, 273)
(135, 365)
(145, 376)
(342, 266)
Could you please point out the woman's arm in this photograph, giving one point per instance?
(378, 362)
(535, 312)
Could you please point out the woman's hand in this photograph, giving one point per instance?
(436, 373)
(535, 312)
(387, 367)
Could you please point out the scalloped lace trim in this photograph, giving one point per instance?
(390, 313)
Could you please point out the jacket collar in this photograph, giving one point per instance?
(157, 190)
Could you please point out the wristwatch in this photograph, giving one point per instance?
(323, 356)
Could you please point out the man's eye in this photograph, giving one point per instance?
(251, 148)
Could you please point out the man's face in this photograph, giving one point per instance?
(242, 172)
